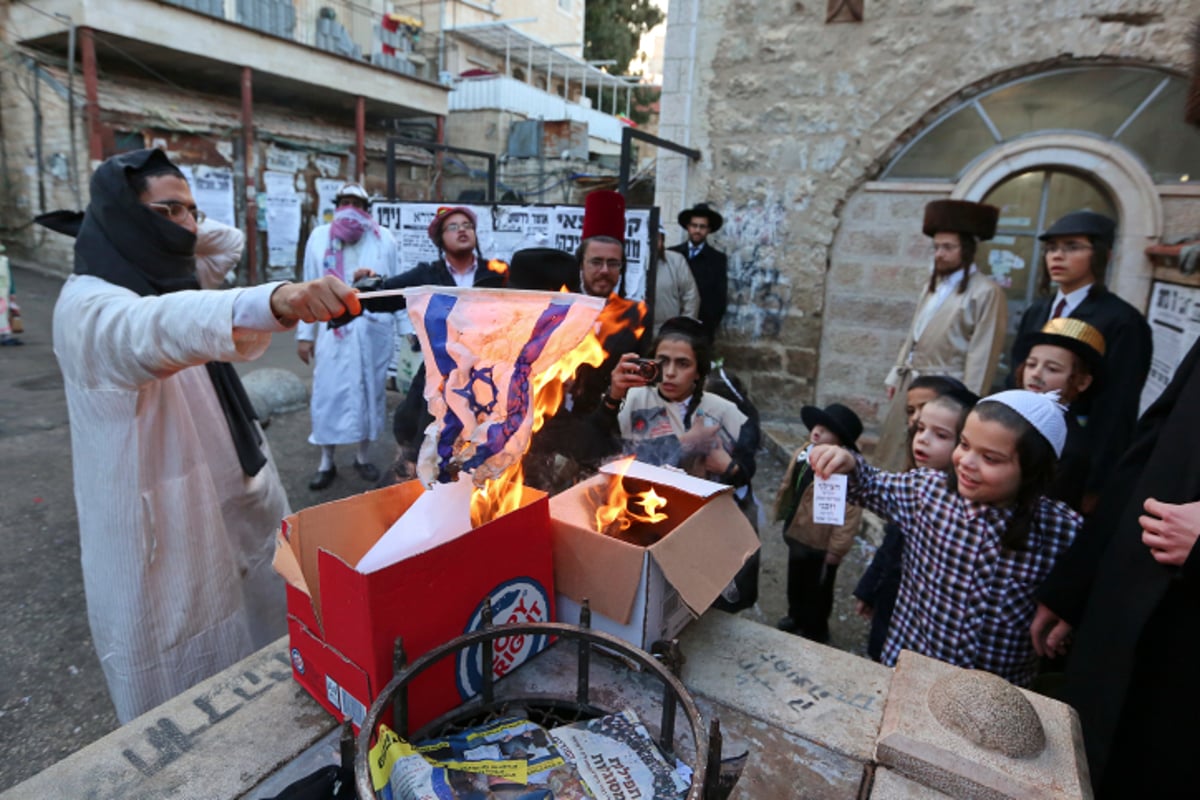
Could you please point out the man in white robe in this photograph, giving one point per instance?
(349, 394)
(177, 495)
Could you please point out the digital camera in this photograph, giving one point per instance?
(649, 369)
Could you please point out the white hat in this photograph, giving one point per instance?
(353, 190)
(1042, 411)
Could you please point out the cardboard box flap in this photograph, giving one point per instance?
(343, 528)
(666, 476)
(703, 563)
(580, 552)
(287, 564)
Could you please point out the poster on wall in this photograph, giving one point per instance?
(504, 229)
(212, 187)
(283, 229)
(1174, 317)
(326, 194)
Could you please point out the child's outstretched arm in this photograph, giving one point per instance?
(828, 459)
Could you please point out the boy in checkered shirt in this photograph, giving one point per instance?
(979, 540)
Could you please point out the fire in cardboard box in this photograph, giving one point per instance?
(614, 516)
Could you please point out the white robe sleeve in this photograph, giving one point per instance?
(118, 339)
(218, 250)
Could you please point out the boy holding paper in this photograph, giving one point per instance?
(817, 535)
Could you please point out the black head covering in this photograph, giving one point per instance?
(125, 243)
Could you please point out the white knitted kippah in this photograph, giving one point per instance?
(1042, 411)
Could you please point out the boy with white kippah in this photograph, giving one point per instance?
(978, 541)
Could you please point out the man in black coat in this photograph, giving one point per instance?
(461, 264)
(709, 266)
(1130, 585)
(1078, 248)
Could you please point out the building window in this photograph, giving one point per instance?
(844, 11)
(1128, 106)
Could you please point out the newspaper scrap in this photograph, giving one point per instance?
(507, 759)
(608, 758)
(618, 759)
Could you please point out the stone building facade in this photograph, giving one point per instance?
(822, 142)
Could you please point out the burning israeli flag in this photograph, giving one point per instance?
(488, 354)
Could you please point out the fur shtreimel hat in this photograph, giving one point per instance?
(961, 216)
(1042, 411)
(604, 215)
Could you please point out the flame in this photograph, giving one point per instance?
(503, 494)
(548, 386)
(497, 497)
(563, 289)
(615, 515)
(498, 266)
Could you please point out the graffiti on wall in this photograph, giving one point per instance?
(759, 286)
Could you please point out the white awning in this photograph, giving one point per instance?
(520, 48)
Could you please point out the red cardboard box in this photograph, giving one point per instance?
(644, 594)
(342, 624)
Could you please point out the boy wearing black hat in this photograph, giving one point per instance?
(1076, 255)
(815, 549)
(709, 266)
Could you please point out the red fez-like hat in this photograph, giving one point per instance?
(604, 215)
(439, 219)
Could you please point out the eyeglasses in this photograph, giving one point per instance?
(612, 265)
(946, 248)
(1070, 248)
(178, 212)
(455, 227)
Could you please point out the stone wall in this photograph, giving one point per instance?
(878, 263)
(794, 116)
(20, 198)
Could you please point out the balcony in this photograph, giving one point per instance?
(501, 93)
(316, 54)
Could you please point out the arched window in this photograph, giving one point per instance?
(1133, 107)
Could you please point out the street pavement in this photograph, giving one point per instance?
(53, 698)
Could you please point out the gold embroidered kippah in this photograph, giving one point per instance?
(1076, 329)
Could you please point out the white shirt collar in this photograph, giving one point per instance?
(1073, 300)
(464, 278)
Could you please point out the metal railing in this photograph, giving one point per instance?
(357, 30)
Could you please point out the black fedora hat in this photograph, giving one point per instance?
(715, 220)
(839, 419)
(1084, 223)
(544, 269)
